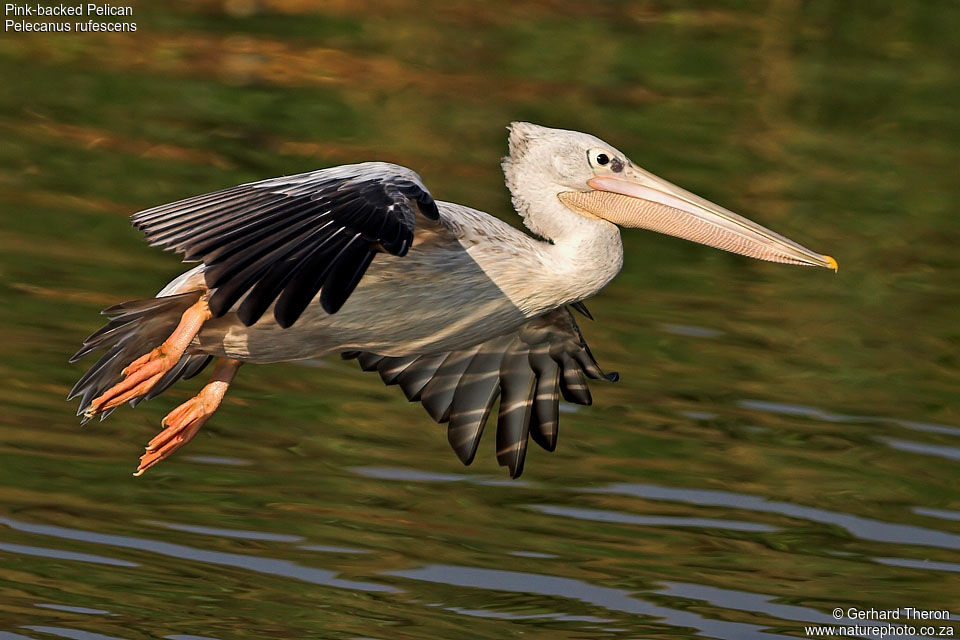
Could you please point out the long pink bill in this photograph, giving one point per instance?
(637, 198)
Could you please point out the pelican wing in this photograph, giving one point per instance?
(528, 370)
(286, 239)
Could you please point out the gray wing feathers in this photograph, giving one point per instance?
(527, 370)
(545, 420)
(437, 396)
(413, 380)
(287, 239)
(518, 382)
(473, 398)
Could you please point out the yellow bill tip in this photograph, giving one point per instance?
(832, 263)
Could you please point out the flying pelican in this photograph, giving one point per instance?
(453, 305)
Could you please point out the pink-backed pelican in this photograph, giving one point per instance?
(451, 304)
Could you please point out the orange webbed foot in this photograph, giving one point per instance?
(183, 423)
(139, 377)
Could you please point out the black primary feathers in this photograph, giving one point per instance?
(286, 239)
(528, 370)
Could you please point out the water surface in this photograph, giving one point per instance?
(783, 441)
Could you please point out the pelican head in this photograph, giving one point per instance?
(597, 182)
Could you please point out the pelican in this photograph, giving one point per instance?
(454, 306)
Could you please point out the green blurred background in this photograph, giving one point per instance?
(320, 504)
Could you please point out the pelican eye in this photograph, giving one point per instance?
(603, 159)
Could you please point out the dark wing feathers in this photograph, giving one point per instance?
(528, 370)
(581, 308)
(437, 395)
(545, 419)
(414, 380)
(518, 382)
(134, 328)
(392, 368)
(286, 239)
(473, 398)
(573, 384)
(345, 273)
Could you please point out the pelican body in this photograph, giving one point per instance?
(456, 307)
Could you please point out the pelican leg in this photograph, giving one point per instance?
(144, 372)
(185, 421)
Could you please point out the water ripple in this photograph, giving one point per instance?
(863, 528)
(804, 411)
(417, 475)
(785, 409)
(744, 601)
(409, 475)
(74, 634)
(69, 609)
(604, 597)
(63, 555)
(943, 514)
(227, 533)
(691, 331)
(329, 548)
(942, 451)
(927, 565)
(258, 564)
(600, 515)
(505, 615)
